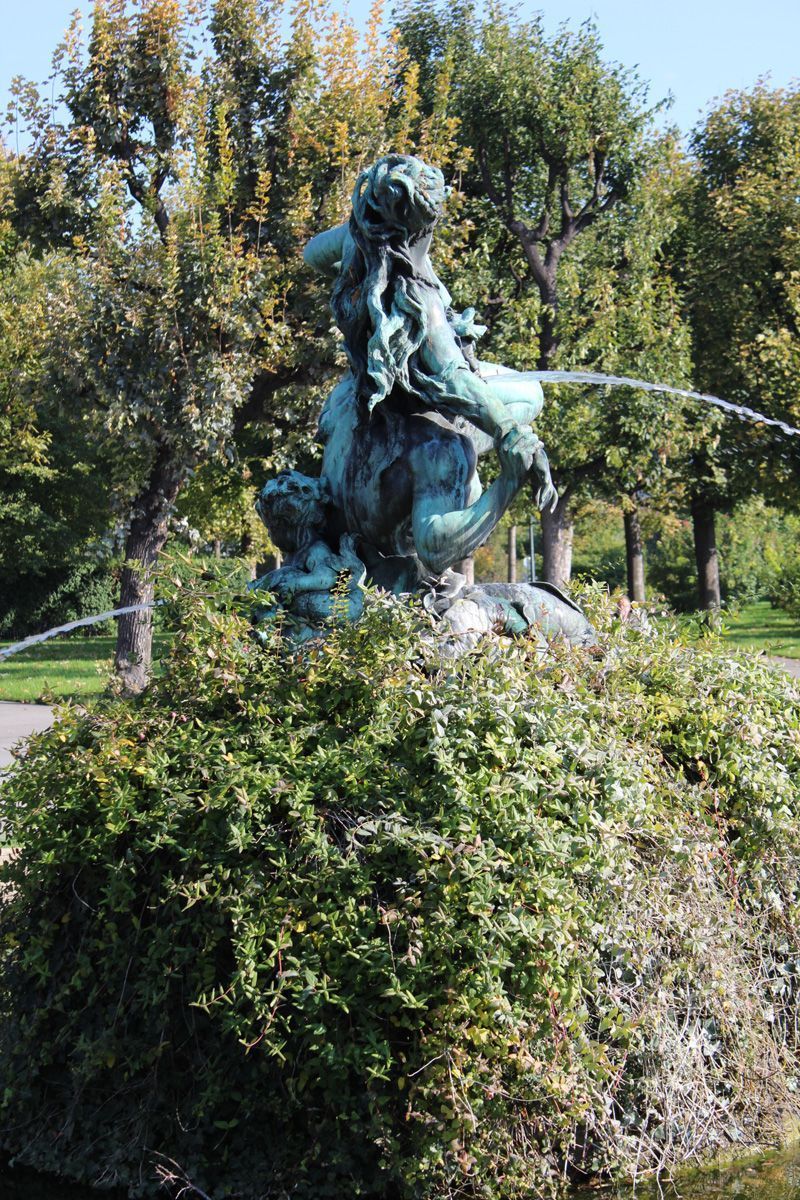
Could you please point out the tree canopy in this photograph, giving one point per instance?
(160, 325)
(742, 278)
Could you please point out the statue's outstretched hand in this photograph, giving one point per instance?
(546, 494)
(521, 455)
(517, 447)
(464, 326)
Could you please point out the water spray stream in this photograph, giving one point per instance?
(7, 651)
(597, 378)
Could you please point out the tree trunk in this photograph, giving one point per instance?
(634, 550)
(512, 554)
(705, 553)
(272, 562)
(557, 531)
(217, 548)
(246, 553)
(548, 338)
(531, 554)
(146, 538)
(466, 568)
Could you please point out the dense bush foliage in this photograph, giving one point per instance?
(36, 602)
(598, 549)
(366, 921)
(90, 586)
(203, 574)
(756, 542)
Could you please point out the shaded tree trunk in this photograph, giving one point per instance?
(146, 538)
(246, 552)
(531, 554)
(634, 553)
(512, 554)
(705, 553)
(557, 532)
(270, 563)
(548, 338)
(466, 568)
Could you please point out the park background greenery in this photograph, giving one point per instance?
(164, 348)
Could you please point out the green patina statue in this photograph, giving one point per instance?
(315, 583)
(400, 502)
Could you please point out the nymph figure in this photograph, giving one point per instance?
(401, 336)
(402, 432)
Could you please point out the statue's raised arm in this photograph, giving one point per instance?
(324, 252)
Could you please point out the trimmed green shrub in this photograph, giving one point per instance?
(599, 545)
(201, 573)
(756, 541)
(368, 921)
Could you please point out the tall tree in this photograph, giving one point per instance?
(53, 506)
(740, 243)
(23, 445)
(192, 162)
(565, 178)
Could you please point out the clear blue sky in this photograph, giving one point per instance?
(695, 49)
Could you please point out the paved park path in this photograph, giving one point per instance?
(18, 721)
(790, 665)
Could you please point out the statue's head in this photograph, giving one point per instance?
(292, 506)
(398, 194)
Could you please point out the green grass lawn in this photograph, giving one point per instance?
(65, 668)
(759, 626)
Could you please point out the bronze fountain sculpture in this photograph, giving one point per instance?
(399, 502)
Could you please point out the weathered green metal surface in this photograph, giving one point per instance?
(400, 502)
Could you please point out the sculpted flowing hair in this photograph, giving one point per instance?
(379, 298)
